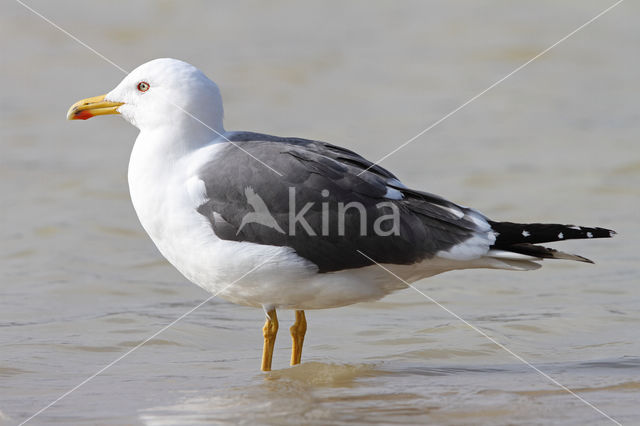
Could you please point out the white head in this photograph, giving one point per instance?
(160, 93)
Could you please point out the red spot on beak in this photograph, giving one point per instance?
(83, 115)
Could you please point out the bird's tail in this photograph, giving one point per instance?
(522, 238)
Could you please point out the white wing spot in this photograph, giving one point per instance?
(561, 235)
(393, 194)
(526, 233)
(456, 212)
(197, 191)
(589, 235)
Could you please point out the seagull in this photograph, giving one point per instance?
(319, 225)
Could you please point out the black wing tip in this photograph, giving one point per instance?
(599, 232)
(584, 232)
(535, 233)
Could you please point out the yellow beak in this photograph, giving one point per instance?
(91, 107)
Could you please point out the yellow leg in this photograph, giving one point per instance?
(269, 332)
(298, 330)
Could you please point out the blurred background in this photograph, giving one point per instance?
(81, 283)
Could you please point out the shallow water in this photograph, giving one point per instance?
(81, 284)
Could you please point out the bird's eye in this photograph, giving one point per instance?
(143, 86)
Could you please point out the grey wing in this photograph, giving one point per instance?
(323, 206)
